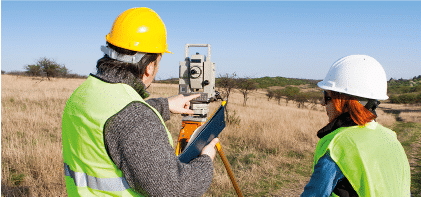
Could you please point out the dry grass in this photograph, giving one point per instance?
(270, 149)
(410, 116)
(404, 112)
(31, 152)
(386, 119)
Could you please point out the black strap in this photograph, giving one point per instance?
(372, 105)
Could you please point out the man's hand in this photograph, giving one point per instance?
(210, 148)
(180, 104)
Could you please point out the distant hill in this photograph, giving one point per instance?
(263, 82)
(266, 82)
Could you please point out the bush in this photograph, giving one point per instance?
(33, 70)
(270, 94)
(290, 92)
(300, 99)
(266, 82)
(410, 98)
(50, 68)
(416, 88)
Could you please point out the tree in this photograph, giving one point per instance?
(50, 67)
(314, 98)
(245, 85)
(270, 94)
(33, 70)
(290, 92)
(300, 99)
(227, 83)
(278, 95)
(63, 71)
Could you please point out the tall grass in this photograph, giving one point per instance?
(270, 148)
(31, 153)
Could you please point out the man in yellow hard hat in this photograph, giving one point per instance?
(114, 142)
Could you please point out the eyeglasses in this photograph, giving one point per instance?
(326, 97)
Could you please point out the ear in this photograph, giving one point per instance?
(150, 68)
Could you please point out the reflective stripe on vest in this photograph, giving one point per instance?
(105, 184)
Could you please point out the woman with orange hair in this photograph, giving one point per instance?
(355, 155)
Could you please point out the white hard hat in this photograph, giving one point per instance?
(357, 75)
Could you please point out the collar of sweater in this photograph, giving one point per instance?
(114, 76)
(343, 120)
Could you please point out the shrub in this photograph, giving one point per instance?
(33, 70)
(290, 92)
(245, 85)
(409, 98)
(270, 94)
(300, 99)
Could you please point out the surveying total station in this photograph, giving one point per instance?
(197, 76)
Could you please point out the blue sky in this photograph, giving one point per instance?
(252, 39)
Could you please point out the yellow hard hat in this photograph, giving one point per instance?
(139, 29)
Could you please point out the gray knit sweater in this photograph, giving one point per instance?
(138, 144)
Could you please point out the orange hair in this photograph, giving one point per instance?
(344, 103)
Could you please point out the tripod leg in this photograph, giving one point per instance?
(227, 167)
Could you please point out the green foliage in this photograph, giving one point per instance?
(266, 82)
(15, 177)
(33, 70)
(47, 67)
(409, 98)
(290, 93)
(278, 94)
(270, 94)
(232, 119)
(3, 72)
(300, 99)
(168, 81)
(416, 88)
(405, 91)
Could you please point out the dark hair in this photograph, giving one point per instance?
(137, 69)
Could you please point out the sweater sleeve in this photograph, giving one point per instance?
(324, 178)
(138, 145)
(161, 104)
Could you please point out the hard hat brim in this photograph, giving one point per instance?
(324, 86)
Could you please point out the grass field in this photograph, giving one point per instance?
(270, 148)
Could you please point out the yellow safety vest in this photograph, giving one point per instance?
(370, 157)
(89, 170)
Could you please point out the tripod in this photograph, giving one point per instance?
(188, 127)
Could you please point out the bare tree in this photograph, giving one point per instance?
(226, 83)
(245, 85)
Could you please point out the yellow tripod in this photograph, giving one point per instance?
(188, 127)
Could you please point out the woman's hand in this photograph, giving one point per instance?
(210, 148)
(180, 104)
